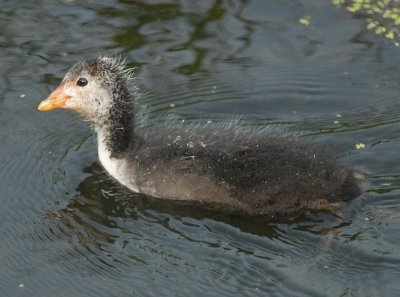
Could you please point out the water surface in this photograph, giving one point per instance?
(67, 229)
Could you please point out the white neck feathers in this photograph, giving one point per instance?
(117, 168)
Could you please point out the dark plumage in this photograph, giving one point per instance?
(257, 171)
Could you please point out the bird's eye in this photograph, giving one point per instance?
(82, 82)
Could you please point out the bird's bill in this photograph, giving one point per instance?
(56, 99)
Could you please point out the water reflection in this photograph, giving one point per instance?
(118, 233)
(184, 33)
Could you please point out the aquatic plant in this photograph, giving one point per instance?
(383, 16)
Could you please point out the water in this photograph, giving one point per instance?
(67, 229)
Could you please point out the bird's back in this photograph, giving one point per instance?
(261, 170)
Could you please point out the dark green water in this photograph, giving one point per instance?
(67, 229)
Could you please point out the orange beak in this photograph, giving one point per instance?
(56, 99)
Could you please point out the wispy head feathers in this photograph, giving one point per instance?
(107, 68)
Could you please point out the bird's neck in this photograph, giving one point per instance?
(116, 133)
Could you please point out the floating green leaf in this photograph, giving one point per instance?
(360, 146)
(305, 21)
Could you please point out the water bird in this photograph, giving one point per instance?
(256, 171)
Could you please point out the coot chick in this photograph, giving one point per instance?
(251, 170)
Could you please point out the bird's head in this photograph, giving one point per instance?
(99, 89)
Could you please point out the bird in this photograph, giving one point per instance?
(225, 165)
